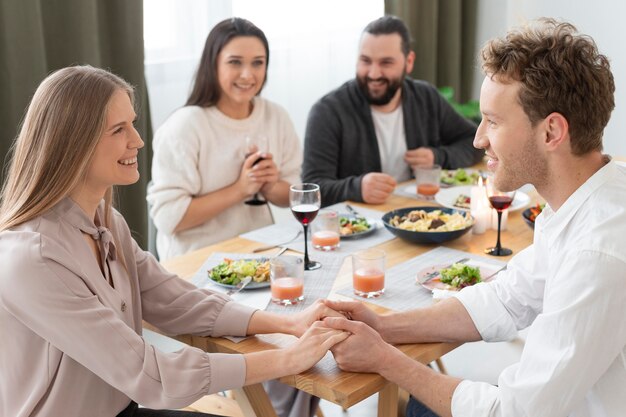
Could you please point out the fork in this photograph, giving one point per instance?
(242, 284)
(268, 247)
(433, 274)
(353, 212)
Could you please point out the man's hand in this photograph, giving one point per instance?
(376, 187)
(313, 345)
(419, 157)
(363, 351)
(300, 322)
(356, 310)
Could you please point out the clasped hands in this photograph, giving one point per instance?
(348, 329)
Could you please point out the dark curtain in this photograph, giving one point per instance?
(40, 36)
(444, 37)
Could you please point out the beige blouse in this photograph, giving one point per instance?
(71, 342)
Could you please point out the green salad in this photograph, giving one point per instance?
(460, 275)
(349, 226)
(231, 272)
(459, 177)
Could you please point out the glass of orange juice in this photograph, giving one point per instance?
(368, 273)
(326, 230)
(287, 279)
(427, 179)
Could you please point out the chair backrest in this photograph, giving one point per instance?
(152, 230)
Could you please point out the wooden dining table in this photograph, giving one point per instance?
(325, 379)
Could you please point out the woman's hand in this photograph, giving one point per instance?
(266, 172)
(312, 346)
(297, 324)
(356, 310)
(247, 183)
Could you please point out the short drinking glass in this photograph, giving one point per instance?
(287, 279)
(427, 179)
(368, 273)
(326, 230)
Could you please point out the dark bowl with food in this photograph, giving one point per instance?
(527, 216)
(427, 236)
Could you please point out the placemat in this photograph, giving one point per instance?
(402, 292)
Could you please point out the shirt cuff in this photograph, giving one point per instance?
(472, 399)
(233, 320)
(228, 371)
(492, 320)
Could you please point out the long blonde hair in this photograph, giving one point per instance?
(57, 141)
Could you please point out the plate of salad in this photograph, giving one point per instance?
(461, 176)
(453, 277)
(230, 272)
(352, 227)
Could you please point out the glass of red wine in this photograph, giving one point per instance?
(305, 200)
(499, 200)
(254, 144)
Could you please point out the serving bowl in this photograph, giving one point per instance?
(526, 216)
(424, 237)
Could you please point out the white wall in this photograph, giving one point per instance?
(601, 19)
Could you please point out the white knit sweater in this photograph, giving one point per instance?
(199, 150)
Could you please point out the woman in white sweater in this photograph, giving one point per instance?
(200, 174)
(201, 177)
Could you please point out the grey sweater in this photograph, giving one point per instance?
(340, 144)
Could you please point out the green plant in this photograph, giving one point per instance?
(469, 110)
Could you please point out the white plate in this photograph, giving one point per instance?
(447, 197)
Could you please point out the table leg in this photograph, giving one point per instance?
(388, 401)
(254, 402)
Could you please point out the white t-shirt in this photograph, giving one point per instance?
(569, 287)
(391, 139)
(199, 150)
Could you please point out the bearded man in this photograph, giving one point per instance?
(370, 133)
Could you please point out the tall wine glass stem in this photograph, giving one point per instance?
(306, 247)
(498, 245)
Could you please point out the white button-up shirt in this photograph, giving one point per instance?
(570, 288)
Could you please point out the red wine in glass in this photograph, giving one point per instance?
(305, 213)
(305, 201)
(499, 200)
(252, 143)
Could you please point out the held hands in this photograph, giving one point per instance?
(355, 310)
(376, 187)
(300, 322)
(363, 351)
(313, 345)
(419, 157)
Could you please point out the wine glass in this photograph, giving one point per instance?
(305, 201)
(499, 200)
(254, 144)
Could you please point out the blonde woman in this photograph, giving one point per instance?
(75, 287)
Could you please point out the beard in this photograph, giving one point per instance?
(392, 86)
(527, 167)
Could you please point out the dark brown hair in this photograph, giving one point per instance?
(560, 71)
(206, 90)
(388, 25)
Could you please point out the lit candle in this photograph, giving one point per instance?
(479, 207)
(494, 219)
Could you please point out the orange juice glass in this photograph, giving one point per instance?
(326, 230)
(427, 179)
(287, 280)
(368, 273)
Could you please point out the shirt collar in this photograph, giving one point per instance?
(74, 215)
(554, 222)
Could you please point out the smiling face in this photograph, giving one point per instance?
(511, 143)
(115, 158)
(241, 69)
(381, 67)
